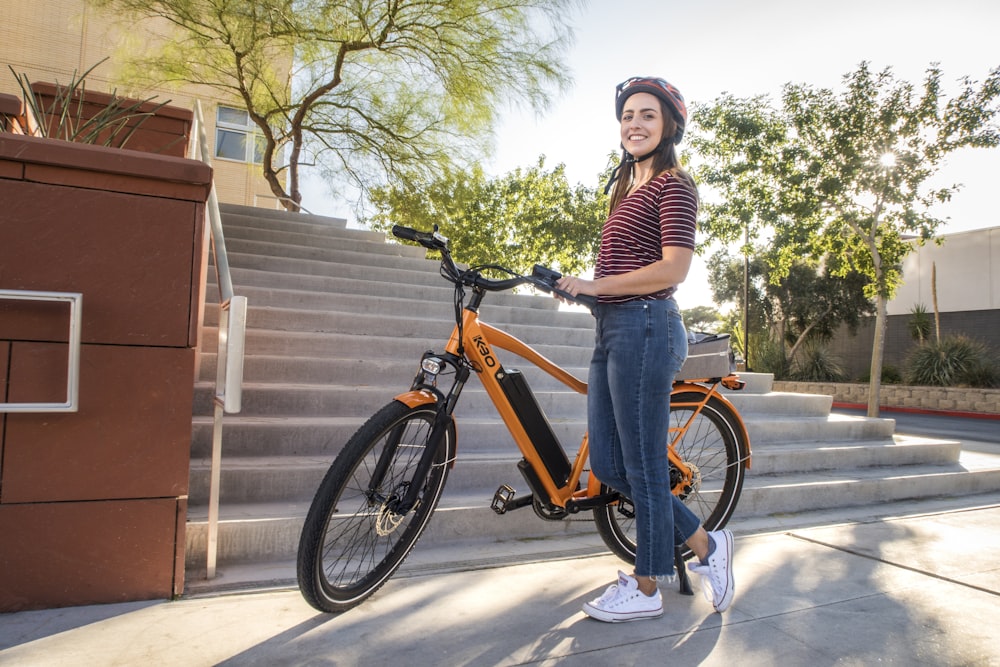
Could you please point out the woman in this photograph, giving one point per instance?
(646, 248)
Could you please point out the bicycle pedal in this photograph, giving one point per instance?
(626, 508)
(501, 499)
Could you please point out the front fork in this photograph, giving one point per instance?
(423, 391)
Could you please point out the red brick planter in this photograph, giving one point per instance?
(93, 503)
(165, 133)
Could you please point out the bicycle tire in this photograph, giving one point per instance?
(352, 542)
(715, 445)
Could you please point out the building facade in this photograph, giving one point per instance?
(50, 40)
(965, 269)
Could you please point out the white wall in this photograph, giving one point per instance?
(968, 274)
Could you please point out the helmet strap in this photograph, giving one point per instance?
(628, 158)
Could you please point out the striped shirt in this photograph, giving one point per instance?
(660, 213)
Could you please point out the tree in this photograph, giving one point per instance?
(844, 177)
(372, 92)
(702, 318)
(527, 216)
(805, 304)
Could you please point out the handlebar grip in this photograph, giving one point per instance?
(399, 231)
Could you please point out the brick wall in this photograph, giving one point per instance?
(855, 352)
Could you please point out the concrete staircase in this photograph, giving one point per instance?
(338, 319)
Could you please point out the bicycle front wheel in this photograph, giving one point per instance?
(353, 538)
(713, 447)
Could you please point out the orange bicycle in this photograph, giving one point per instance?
(382, 488)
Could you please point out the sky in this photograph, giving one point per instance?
(711, 47)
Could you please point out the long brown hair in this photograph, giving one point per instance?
(664, 159)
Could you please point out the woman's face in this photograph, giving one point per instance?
(642, 123)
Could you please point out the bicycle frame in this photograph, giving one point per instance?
(475, 341)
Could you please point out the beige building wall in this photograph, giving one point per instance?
(50, 39)
(968, 274)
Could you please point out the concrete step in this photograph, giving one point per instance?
(344, 252)
(430, 288)
(400, 324)
(269, 532)
(486, 464)
(289, 231)
(245, 435)
(265, 216)
(323, 344)
(767, 429)
(769, 494)
(434, 555)
(439, 307)
(396, 374)
(362, 401)
(338, 320)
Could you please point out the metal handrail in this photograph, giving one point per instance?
(75, 300)
(232, 335)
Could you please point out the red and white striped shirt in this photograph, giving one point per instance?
(660, 213)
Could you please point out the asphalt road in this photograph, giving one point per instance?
(976, 434)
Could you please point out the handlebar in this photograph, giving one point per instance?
(541, 277)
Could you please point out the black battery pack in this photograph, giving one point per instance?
(536, 425)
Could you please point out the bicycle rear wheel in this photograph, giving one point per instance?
(713, 446)
(353, 540)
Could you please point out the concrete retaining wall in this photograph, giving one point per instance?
(961, 399)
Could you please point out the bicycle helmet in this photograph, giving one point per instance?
(662, 89)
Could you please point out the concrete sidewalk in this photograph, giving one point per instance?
(921, 589)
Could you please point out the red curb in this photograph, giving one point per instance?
(921, 411)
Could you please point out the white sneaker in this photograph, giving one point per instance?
(624, 601)
(717, 574)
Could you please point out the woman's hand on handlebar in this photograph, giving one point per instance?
(575, 286)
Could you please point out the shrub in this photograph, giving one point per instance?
(984, 373)
(816, 364)
(890, 375)
(919, 324)
(768, 356)
(112, 125)
(954, 360)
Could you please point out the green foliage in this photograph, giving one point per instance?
(811, 174)
(919, 324)
(806, 304)
(113, 125)
(816, 364)
(952, 361)
(890, 375)
(373, 93)
(527, 216)
(839, 177)
(984, 372)
(767, 355)
(702, 318)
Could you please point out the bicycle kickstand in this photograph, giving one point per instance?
(682, 575)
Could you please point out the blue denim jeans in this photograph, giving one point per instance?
(640, 346)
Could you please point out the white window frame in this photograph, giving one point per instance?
(252, 137)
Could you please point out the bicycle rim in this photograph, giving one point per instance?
(353, 540)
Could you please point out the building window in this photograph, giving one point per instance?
(236, 138)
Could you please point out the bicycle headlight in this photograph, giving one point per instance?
(431, 365)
